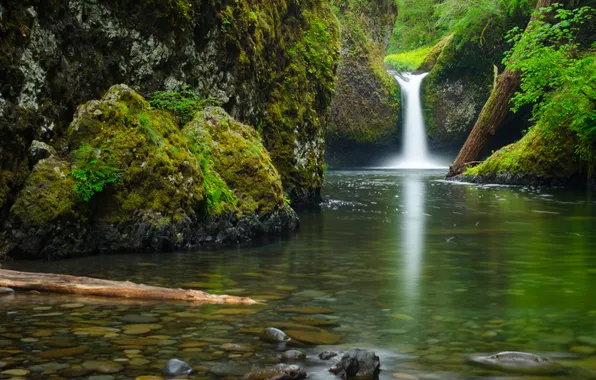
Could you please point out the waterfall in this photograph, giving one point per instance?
(415, 152)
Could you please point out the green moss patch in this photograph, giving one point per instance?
(408, 60)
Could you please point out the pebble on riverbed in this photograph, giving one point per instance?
(176, 367)
(6, 291)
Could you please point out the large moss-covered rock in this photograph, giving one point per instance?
(270, 63)
(542, 157)
(462, 71)
(135, 181)
(239, 156)
(365, 109)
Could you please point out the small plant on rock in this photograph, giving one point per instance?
(93, 171)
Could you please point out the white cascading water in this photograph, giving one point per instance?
(415, 153)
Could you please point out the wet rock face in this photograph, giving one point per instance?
(278, 372)
(520, 362)
(365, 109)
(74, 51)
(358, 363)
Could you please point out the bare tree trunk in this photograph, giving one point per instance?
(492, 115)
(57, 283)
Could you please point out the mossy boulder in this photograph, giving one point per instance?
(542, 157)
(270, 64)
(239, 156)
(133, 181)
(365, 109)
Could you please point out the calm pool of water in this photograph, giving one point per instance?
(423, 271)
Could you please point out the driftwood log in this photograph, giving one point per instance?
(59, 283)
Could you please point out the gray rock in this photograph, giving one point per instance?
(6, 291)
(2, 365)
(176, 367)
(230, 369)
(520, 362)
(39, 151)
(48, 366)
(358, 363)
(102, 377)
(273, 335)
(326, 355)
(278, 372)
(292, 355)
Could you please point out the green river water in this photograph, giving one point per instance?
(422, 271)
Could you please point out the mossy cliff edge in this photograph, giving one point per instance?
(270, 64)
(365, 109)
(461, 76)
(135, 180)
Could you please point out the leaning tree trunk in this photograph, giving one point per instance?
(493, 113)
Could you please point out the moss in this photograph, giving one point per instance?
(408, 60)
(239, 158)
(541, 153)
(48, 196)
(158, 170)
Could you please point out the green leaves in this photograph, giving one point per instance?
(184, 104)
(93, 171)
(557, 77)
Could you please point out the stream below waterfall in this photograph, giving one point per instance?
(422, 271)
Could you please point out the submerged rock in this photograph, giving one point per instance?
(358, 363)
(520, 362)
(292, 355)
(278, 372)
(6, 291)
(273, 335)
(176, 367)
(326, 355)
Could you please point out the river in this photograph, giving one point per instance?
(425, 272)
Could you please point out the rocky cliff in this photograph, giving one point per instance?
(365, 109)
(269, 64)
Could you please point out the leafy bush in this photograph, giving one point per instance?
(557, 77)
(184, 104)
(93, 171)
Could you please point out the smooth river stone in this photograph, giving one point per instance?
(306, 310)
(134, 318)
(237, 347)
(72, 306)
(314, 337)
(236, 311)
(520, 362)
(6, 291)
(16, 372)
(63, 352)
(176, 367)
(314, 321)
(96, 330)
(103, 366)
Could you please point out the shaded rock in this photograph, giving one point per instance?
(520, 362)
(6, 291)
(135, 318)
(230, 369)
(314, 321)
(176, 367)
(273, 335)
(358, 363)
(278, 372)
(326, 355)
(48, 366)
(103, 366)
(292, 355)
(39, 151)
(63, 352)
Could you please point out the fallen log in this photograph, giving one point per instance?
(59, 283)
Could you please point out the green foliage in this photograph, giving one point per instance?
(146, 126)
(216, 190)
(93, 171)
(183, 104)
(557, 77)
(409, 60)
(415, 27)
